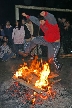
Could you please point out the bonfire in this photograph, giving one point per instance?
(35, 75)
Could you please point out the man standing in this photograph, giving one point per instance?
(51, 38)
(8, 29)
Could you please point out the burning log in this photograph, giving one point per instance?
(52, 75)
(31, 86)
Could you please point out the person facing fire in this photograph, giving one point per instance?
(48, 24)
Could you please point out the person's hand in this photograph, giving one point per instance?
(59, 19)
(24, 14)
(42, 13)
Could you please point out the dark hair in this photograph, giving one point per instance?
(28, 20)
(23, 19)
(7, 21)
(41, 18)
(6, 37)
(19, 24)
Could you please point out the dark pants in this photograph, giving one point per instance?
(17, 47)
(67, 46)
(53, 48)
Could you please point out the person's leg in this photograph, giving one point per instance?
(50, 51)
(16, 49)
(56, 47)
(53, 49)
(38, 40)
(20, 47)
(7, 56)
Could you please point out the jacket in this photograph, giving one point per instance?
(18, 35)
(50, 28)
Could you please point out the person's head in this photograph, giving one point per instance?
(63, 20)
(29, 21)
(5, 39)
(18, 24)
(68, 23)
(42, 20)
(8, 23)
(23, 21)
(4, 43)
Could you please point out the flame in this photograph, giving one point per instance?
(33, 101)
(36, 71)
(43, 81)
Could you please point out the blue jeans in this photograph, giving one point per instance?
(7, 56)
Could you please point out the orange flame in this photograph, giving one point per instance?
(43, 81)
(36, 69)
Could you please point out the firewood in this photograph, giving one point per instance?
(52, 75)
(27, 84)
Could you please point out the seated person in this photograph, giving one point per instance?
(5, 52)
(1, 34)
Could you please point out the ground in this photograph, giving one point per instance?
(7, 69)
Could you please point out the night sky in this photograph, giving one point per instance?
(7, 8)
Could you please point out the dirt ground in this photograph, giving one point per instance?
(7, 69)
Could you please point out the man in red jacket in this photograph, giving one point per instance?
(51, 38)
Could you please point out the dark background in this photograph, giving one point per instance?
(7, 8)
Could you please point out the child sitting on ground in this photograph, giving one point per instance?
(5, 52)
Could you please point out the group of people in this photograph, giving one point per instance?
(66, 35)
(22, 41)
(14, 39)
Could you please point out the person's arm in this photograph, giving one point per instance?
(32, 18)
(48, 16)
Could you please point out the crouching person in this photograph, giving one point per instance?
(5, 52)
